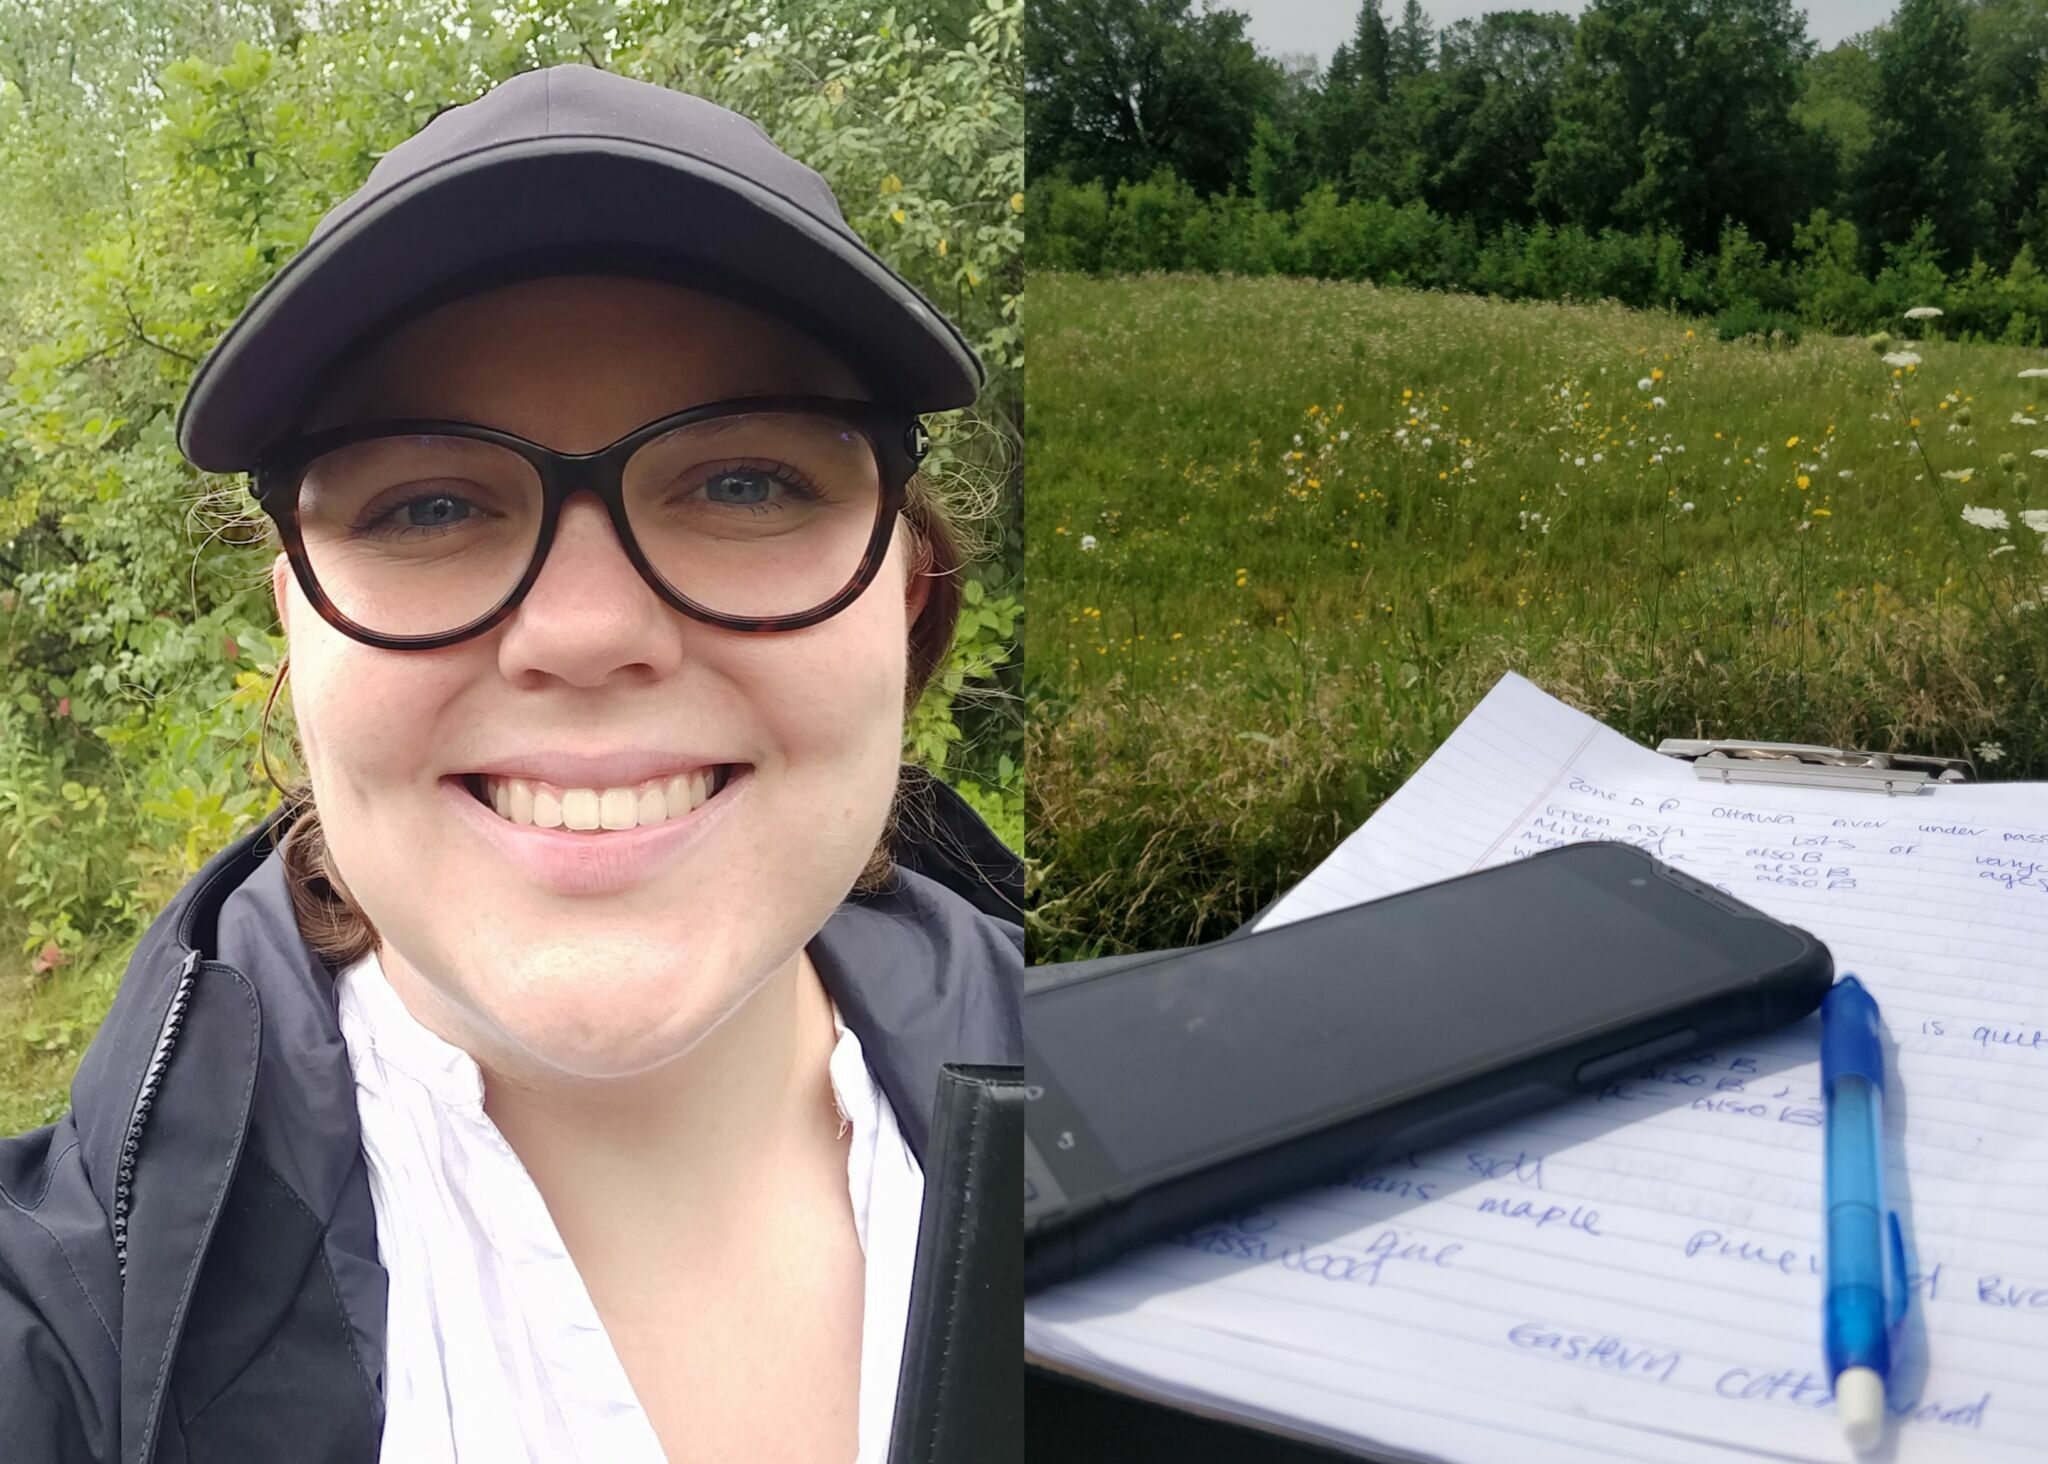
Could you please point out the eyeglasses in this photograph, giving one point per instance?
(759, 514)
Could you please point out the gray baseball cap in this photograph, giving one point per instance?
(568, 170)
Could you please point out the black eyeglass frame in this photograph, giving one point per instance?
(895, 433)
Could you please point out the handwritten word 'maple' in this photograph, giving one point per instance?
(1608, 1353)
(1538, 1214)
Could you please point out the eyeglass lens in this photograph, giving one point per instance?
(757, 515)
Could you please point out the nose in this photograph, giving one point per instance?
(590, 616)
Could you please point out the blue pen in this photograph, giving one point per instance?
(1866, 1253)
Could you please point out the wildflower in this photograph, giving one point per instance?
(1845, 474)
(1986, 518)
(1656, 401)
(1792, 442)
(1599, 457)
(1466, 465)
(1901, 359)
(1685, 507)
(1643, 384)
(1087, 543)
(2035, 519)
(1297, 439)
(1924, 312)
(1578, 462)
(1804, 481)
(1656, 373)
(1688, 335)
(2034, 373)
(1823, 513)
(1989, 751)
(2006, 548)
(1345, 435)
(2021, 419)
(1060, 529)
(1959, 475)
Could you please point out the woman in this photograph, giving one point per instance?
(551, 1078)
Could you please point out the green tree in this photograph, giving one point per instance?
(1929, 154)
(1118, 89)
(1677, 114)
(1355, 93)
(1493, 113)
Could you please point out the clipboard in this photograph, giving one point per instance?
(1073, 1419)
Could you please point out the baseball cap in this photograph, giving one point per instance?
(568, 169)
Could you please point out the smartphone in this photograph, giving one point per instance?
(1164, 1092)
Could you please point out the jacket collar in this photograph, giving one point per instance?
(223, 1044)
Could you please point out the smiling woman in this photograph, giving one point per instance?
(552, 1075)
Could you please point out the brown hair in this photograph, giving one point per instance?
(334, 925)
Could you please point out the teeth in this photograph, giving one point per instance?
(542, 805)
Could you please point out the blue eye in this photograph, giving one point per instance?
(742, 488)
(441, 509)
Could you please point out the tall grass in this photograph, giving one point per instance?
(1238, 652)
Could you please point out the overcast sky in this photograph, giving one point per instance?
(1320, 26)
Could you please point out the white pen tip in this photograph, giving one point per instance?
(1859, 1403)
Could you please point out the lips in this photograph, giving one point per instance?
(598, 861)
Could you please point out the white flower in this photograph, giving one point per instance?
(1599, 457)
(1656, 401)
(1901, 359)
(1990, 751)
(1297, 439)
(1578, 462)
(2005, 548)
(2021, 419)
(1959, 475)
(2034, 373)
(1924, 312)
(1466, 465)
(1685, 508)
(1429, 442)
(2040, 452)
(2035, 519)
(1845, 474)
(1564, 391)
(1986, 518)
(1087, 543)
(1345, 435)
(1402, 435)
(1643, 384)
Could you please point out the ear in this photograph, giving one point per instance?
(280, 590)
(917, 587)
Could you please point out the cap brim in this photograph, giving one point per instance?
(561, 194)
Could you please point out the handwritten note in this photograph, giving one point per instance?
(1637, 1274)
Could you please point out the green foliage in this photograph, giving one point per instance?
(164, 161)
(1162, 224)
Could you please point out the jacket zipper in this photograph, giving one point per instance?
(152, 1081)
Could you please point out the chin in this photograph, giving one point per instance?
(611, 1009)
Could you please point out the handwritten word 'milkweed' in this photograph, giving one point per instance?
(1608, 1353)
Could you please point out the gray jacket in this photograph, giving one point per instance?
(188, 1258)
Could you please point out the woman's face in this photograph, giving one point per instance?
(599, 953)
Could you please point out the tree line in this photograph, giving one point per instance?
(1715, 128)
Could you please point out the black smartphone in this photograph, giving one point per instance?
(1164, 1092)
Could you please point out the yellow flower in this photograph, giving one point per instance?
(892, 184)
(1688, 335)
(896, 215)
(1656, 373)
(1406, 393)
(1792, 442)
(1804, 481)
(1016, 203)
(942, 248)
(1822, 513)
(1313, 409)
(1061, 529)
(1941, 406)
(1912, 421)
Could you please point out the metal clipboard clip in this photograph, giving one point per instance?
(1897, 774)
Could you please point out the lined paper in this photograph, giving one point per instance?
(1636, 1275)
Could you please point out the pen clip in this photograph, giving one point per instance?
(1896, 1288)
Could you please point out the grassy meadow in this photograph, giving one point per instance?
(1283, 534)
